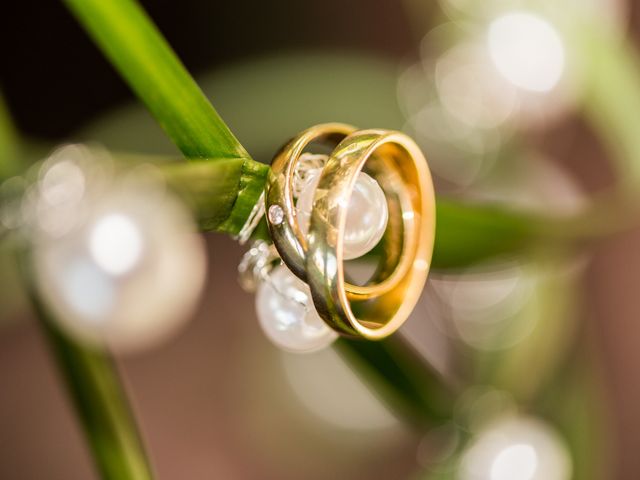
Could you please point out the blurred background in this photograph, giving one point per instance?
(543, 351)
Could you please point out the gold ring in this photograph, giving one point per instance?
(280, 206)
(377, 309)
(279, 202)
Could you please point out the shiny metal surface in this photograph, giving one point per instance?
(378, 308)
(286, 235)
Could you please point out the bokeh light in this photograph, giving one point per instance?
(614, 12)
(527, 50)
(516, 462)
(491, 307)
(116, 243)
(470, 89)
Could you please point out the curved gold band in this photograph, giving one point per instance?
(377, 309)
(286, 235)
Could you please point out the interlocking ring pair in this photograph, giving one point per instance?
(380, 307)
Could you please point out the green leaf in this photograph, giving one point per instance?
(142, 56)
(9, 144)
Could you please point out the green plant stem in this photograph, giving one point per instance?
(402, 379)
(93, 384)
(466, 233)
(221, 193)
(611, 73)
(143, 57)
(9, 144)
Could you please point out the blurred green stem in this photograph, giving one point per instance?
(466, 233)
(98, 396)
(612, 97)
(402, 379)
(143, 57)
(9, 144)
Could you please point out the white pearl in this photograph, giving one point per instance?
(513, 447)
(367, 214)
(128, 273)
(287, 316)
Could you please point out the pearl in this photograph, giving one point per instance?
(527, 50)
(513, 447)
(128, 273)
(367, 213)
(287, 316)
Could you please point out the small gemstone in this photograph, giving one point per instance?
(276, 214)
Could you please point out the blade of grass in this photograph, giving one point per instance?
(143, 57)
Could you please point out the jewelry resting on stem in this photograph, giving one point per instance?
(374, 189)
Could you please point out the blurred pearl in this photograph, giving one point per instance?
(516, 448)
(116, 243)
(367, 214)
(527, 50)
(128, 273)
(287, 316)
